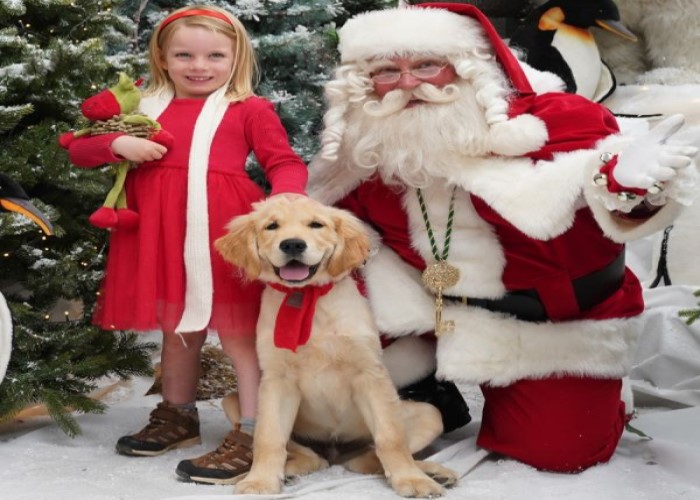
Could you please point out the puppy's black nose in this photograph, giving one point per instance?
(293, 246)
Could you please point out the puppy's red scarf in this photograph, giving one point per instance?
(296, 314)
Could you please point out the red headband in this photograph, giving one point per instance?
(195, 12)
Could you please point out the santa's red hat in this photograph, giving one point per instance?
(457, 32)
(427, 28)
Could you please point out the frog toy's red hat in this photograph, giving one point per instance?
(122, 98)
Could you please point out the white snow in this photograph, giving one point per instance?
(39, 462)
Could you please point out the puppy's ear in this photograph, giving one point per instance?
(354, 245)
(238, 246)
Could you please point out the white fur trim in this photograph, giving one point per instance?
(199, 288)
(539, 199)
(518, 136)
(400, 304)
(490, 347)
(476, 251)
(409, 359)
(422, 30)
(623, 230)
(6, 336)
(487, 347)
(541, 81)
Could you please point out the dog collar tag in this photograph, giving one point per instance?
(295, 299)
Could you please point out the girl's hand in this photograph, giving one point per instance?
(137, 150)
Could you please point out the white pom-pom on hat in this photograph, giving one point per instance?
(518, 136)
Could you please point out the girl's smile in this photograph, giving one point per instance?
(198, 61)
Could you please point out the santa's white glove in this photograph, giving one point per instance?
(655, 158)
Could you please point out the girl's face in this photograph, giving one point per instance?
(198, 61)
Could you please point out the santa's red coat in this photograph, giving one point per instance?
(520, 223)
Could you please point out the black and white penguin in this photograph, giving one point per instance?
(14, 199)
(556, 37)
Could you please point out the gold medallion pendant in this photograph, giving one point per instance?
(439, 276)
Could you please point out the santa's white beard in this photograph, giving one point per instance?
(414, 145)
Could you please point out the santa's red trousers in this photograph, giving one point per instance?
(558, 424)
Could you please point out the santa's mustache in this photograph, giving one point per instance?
(398, 99)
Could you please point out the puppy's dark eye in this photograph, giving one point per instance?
(315, 225)
(272, 226)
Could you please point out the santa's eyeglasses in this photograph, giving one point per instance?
(424, 71)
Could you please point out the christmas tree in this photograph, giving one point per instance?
(54, 54)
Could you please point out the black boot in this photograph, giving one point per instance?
(443, 395)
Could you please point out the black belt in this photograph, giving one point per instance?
(590, 290)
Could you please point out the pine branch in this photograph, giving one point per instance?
(59, 364)
(11, 115)
(691, 315)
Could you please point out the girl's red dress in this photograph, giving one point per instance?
(144, 284)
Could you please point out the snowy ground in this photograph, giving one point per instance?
(39, 462)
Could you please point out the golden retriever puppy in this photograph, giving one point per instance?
(319, 349)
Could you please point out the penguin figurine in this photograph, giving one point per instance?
(14, 199)
(556, 37)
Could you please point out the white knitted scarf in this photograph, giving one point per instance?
(199, 285)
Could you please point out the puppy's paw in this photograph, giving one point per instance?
(367, 463)
(258, 486)
(301, 465)
(440, 474)
(416, 486)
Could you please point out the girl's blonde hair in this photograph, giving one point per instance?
(245, 68)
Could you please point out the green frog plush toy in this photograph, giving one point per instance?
(116, 110)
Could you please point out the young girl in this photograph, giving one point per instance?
(164, 274)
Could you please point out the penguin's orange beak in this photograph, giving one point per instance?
(618, 28)
(27, 209)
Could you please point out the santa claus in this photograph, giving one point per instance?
(503, 216)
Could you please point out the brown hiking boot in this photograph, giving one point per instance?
(222, 466)
(168, 428)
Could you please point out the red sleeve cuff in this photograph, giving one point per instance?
(93, 150)
(291, 180)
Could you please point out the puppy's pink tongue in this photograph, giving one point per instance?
(295, 271)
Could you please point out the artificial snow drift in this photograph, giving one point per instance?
(39, 462)
(45, 464)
